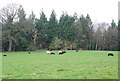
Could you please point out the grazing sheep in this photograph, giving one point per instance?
(52, 53)
(64, 51)
(61, 52)
(110, 54)
(4, 55)
(48, 52)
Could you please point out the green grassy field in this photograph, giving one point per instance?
(0, 65)
(72, 65)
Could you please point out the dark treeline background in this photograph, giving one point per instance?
(20, 33)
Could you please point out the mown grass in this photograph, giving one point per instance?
(72, 65)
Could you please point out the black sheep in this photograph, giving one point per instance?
(110, 54)
(63, 51)
(52, 53)
(4, 55)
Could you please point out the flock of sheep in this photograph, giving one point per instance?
(60, 52)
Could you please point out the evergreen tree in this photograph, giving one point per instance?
(21, 31)
(113, 24)
(51, 28)
(119, 34)
(52, 24)
(21, 14)
(65, 29)
(42, 29)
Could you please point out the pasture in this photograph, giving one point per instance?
(71, 65)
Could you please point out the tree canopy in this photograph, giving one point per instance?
(69, 32)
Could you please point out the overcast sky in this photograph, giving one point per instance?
(99, 10)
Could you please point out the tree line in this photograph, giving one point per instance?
(21, 33)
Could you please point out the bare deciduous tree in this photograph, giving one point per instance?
(7, 15)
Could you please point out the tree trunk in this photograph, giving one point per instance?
(10, 45)
(35, 38)
(96, 47)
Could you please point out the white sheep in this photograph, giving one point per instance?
(48, 52)
(59, 52)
